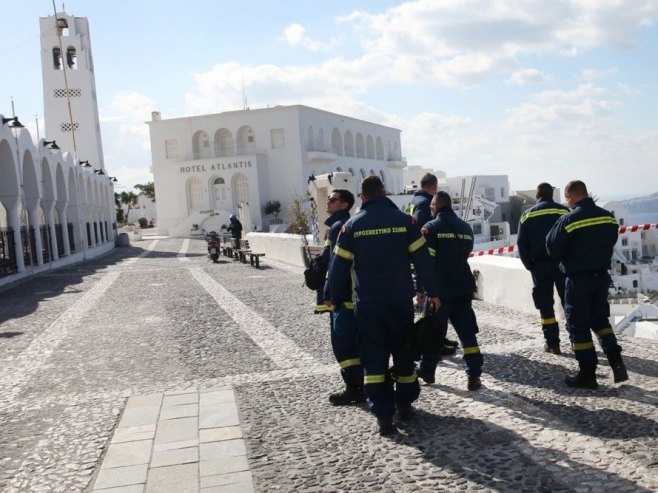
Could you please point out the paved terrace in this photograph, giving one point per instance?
(151, 369)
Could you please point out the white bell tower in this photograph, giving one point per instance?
(69, 87)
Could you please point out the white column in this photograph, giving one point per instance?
(49, 207)
(15, 223)
(33, 220)
(64, 221)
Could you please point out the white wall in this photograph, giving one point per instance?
(278, 246)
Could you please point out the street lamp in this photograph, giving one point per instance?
(14, 119)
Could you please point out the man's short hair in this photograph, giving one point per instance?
(372, 187)
(442, 199)
(544, 191)
(345, 196)
(576, 188)
(428, 180)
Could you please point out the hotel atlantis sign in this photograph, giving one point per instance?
(200, 168)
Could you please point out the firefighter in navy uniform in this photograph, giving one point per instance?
(583, 241)
(545, 270)
(419, 207)
(450, 242)
(376, 247)
(344, 335)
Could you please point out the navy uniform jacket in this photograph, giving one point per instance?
(376, 246)
(535, 224)
(583, 239)
(420, 207)
(450, 241)
(335, 223)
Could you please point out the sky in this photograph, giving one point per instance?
(539, 90)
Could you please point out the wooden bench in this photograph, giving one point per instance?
(254, 259)
(243, 251)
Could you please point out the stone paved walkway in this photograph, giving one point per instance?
(151, 369)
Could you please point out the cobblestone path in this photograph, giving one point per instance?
(156, 317)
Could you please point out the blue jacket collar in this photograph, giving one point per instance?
(337, 216)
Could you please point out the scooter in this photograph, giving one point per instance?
(212, 239)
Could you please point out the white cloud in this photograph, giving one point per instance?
(469, 40)
(527, 76)
(590, 74)
(295, 34)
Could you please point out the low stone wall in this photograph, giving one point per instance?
(278, 246)
(501, 280)
(504, 281)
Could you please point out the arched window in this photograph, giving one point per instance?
(372, 172)
(201, 145)
(396, 151)
(310, 139)
(194, 194)
(362, 172)
(321, 141)
(351, 170)
(219, 192)
(370, 147)
(57, 58)
(380, 149)
(240, 187)
(349, 144)
(360, 146)
(336, 142)
(71, 58)
(381, 175)
(246, 140)
(338, 169)
(223, 143)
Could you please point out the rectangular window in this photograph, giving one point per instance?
(502, 192)
(171, 148)
(624, 242)
(490, 194)
(477, 228)
(277, 137)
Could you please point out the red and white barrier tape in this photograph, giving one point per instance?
(494, 251)
(636, 227)
(508, 249)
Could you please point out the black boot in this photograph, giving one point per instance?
(474, 383)
(584, 379)
(351, 395)
(618, 368)
(552, 348)
(405, 411)
(386, 426)
(451, 343)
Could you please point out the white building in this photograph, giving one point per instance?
(69, 82)
(208, 167)
(53, 210)
(145, 208)
(494, 188)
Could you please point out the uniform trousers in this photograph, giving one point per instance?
(587, 309)
(459, 311)
(345, 345)
(384, 330)
(546, 275)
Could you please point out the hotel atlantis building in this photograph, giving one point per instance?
(208, 167)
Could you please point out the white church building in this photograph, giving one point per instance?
(208, 167)
(56, 200)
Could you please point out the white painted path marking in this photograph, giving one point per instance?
(146, 251)
(183, 251)
(277, 346)
(26, 364)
